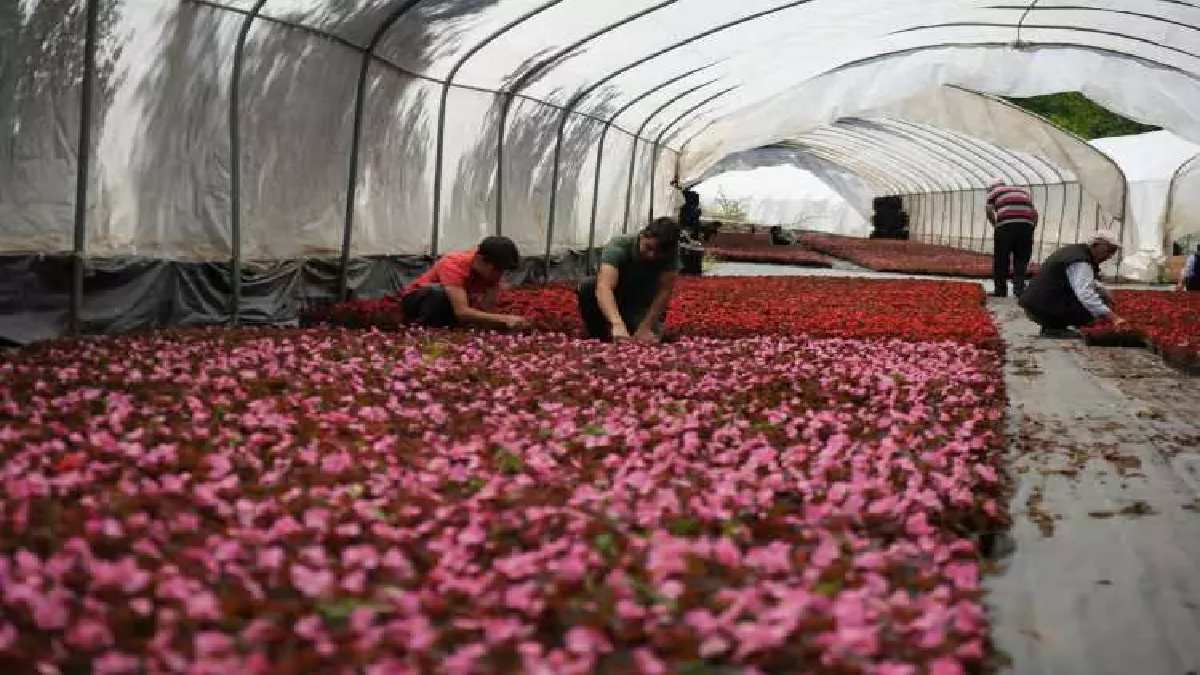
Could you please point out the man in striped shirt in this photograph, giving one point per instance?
(1010, 210)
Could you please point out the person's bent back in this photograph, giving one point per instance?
(462, 288)
(637, 273)
(1066, 292)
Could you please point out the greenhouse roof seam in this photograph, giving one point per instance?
(1047, 27)
(1107, 51)
(919, 138)
(391, 65)
(871, 147)
(1108, 10)
(860, 151)
(968, 147)
(1029, 113)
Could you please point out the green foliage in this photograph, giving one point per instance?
(729, 209)
(1076, 113)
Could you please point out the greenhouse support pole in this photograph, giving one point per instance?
(608, 125)
(1041, 236)
(974, 219)
(440, 146)
(633, 152)
(1062, 215)
(587, 91)
(658, 141)
(235, 163)
(591, 245)
(534, 72)
(947, 217)
(1079, 214)
(927, 201)
(82, 169)
(1121, 229)
(360, 104)
(963, 215)
(502, 126)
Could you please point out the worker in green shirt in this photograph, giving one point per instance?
(628, 299)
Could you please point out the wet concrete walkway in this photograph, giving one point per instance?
(1103, 572)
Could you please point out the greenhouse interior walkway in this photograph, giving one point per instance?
(1099, 571)
(1105, 448)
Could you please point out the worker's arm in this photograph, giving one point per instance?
(1091, 295)
(490, 298)
(606, 285)
(465, 313)
(666, 283)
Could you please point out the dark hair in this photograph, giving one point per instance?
(501, 252)
(665, 230)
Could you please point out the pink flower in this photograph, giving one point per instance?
(726, 552)
(115, 663)
(50, 610)
(918, 525)
(964, 574)
(310, 627)
(712, 646)
(212, 643)
(312, 583)
(945, 666)
(89, 634)
(647, 662)
(587, 640)
(8, 636)
(203, 605)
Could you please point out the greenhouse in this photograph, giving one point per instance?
(394, 336)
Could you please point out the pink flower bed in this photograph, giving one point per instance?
(332, 500)
(908, 257)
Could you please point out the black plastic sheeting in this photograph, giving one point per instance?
(129, 294)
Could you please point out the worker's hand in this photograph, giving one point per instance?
(646, 335)
(1119, 322)
(514, 322)
(620, 333)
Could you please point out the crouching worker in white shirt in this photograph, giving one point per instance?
(1066, 291)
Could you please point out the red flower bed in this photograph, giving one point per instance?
(832, 307)
(255, 501)
(779, 255)
(1170, 322)
(740, 240)
(908, 257)
(746, 306)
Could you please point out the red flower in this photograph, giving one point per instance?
(912, 257)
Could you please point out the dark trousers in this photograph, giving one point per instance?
(1073, 316)
(595, 324)
(1013, 244)
(429, 306)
